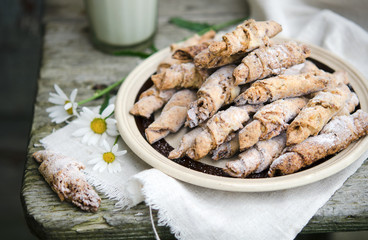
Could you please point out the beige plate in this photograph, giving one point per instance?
(131, 135)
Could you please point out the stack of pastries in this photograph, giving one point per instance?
(248, 96)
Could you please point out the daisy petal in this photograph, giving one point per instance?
(106, 145)
(73, 95)
(108, 110)
(103, 167)
(57, 101)
(60, 119)
(111, 170)
(68, 105)
(59, 91)
(86, 137)
(114, 148)
(93, 140)
(94, 160)
(80, 132)
(120, 153)
(111, 121)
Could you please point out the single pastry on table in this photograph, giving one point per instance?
(271, 60)
(65, 177)
(334, 137)
(172, 116)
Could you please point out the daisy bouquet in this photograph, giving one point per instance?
(95, 125)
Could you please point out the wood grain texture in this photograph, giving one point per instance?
(70, 61)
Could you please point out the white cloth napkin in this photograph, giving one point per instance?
(194, 212)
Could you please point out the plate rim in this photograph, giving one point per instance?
(136, 142)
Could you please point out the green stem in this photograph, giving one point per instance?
(116, 139)
(101, 93)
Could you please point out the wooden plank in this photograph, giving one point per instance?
(70, 61)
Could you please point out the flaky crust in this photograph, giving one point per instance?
(334, 137)
(258, 158)
(64, 176)
(268, 61)
(184, 75)
(270, 121)
(206, 59)
(218, 128)
(318, 111)
(216, 91)
(194, 40)
(150, 101)
(186, 142)
(189, 52)
(172, 116)
(247, 36)
(226, 149)
(283, 86)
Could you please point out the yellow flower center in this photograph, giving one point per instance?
(98, 125)
(108, 157)
(69, 110)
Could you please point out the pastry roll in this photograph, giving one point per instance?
(337, 78)
(206, 59)
(183, 75)
(309, 67)
(169, 61)
(258, 158)
(349, 106)
(270, 121)
(216, 91)
(247, 36)
(227, 149)
(334, 137)
(172, 116)
(272, 60)
(194, 40)
(186, 142)
(318, 111)
(283, 86)
(150, 101)
(189, 52)
(218, 128)
(65, 177)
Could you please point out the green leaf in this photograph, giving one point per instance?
(194, 26)
(202, 28)
(105, 102)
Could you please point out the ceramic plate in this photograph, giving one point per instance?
(202, 174)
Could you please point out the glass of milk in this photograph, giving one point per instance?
(120, 24)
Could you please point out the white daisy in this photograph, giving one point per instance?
(65, 107)
(108, 159)
(95, 127)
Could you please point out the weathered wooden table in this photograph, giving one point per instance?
(70, 61)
